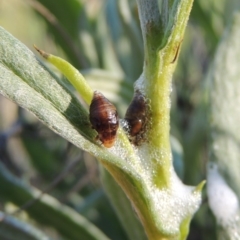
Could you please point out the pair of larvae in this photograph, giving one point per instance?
(104, 118)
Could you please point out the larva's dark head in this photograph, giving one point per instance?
(104, 119)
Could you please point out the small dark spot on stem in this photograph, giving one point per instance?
(177, 52)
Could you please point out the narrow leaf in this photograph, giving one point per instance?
(69, 223)
(10, 227)
(223, 169)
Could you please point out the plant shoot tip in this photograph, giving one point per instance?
(199, 187)
(44, 54)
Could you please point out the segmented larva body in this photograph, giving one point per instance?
(104, 119)
(135, 117)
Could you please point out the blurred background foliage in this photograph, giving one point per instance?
(102, 38)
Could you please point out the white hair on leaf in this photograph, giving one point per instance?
(222, 199)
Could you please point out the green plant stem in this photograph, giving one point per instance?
(162, 47)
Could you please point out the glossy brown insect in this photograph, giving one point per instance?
(136, 117)
(104, 119)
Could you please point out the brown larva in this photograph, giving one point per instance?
(136, 117)
(104, 119)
